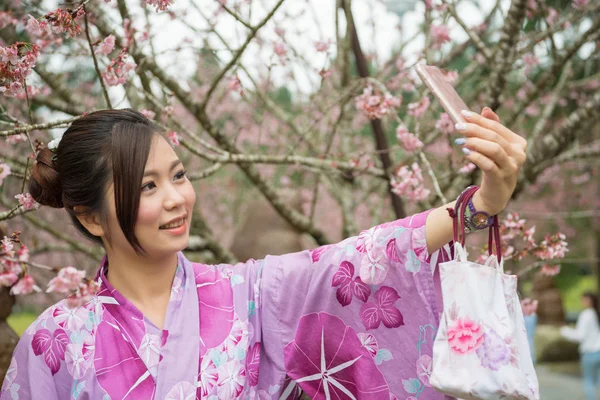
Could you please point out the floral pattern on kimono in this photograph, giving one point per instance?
(352, 320)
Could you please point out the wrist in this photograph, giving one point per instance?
(480, 205)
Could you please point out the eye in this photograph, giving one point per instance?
(180, 174)
(148, 186)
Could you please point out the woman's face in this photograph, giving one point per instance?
(166, 203)
(586, 302)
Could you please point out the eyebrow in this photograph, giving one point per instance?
(153, 172)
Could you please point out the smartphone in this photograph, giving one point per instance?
(435, 80)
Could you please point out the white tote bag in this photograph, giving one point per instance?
(481, 349)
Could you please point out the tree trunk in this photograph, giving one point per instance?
(8, 337)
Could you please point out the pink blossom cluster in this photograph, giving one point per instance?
(4, 171)
(173, 139)
(235, 85)
(64, 21)
(376, 104)
(550, 270)
(117, 71)
(580, 4)
(322, 46)
(409, 141)
(419, 108)
(552, 247)
(530, 60)
(86, 290)
(408, 183)
(16, 63)
(529, 306)
(161, 5)
(106, 46)
(67, 280)
(12, 273)
(26, 201)
(445, 124)
(439, 34)
(148, 113)
(6, 19)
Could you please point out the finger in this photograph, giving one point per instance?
(495, 126)
(474, 130)
(494, 152)
(484, 163)
(490, 114)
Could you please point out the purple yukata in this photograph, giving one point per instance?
(256, 330)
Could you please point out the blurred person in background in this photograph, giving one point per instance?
(587, 334)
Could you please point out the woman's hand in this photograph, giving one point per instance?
(498, 152)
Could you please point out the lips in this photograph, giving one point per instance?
(174, 223)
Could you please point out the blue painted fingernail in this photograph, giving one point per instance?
(466, 113)
(460, 141)
(466, 151)
(460, 126)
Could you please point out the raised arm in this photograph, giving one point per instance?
(499, 153)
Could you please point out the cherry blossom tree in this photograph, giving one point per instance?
(257, 104)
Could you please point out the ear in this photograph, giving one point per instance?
(91, 222)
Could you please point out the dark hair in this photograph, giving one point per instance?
(97, 149)
(594, 299)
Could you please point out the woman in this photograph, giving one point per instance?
(587, 334)
(350, 320)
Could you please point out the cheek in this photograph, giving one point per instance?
(148, 214)
(189, 195)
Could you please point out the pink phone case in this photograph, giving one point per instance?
(435, 80)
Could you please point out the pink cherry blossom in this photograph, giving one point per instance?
(6, 19)
(322, 46)
(25, 285)
(63, 21)
(106, 46)
(552, 247)
(8, 278)
(23, 253)
(67, 280)
(279, 49)
(16, 63)
(234, 84)
(550, 270)
(409, 141)
(530, 60)
(118, 70)
(85, 292)
(173, 139)
(148, 113)
(4, 171)
(464, 335)
(161, 5)
(445, 124)
(375, 104)
(580, 4)
(419, 108)
(552, 16)
(440, 34)
(408, 183)
(27, 201)
(7, 247)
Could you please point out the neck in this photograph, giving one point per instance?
(141, 279)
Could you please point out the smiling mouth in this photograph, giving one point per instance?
(174, 224)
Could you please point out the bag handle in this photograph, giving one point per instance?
(458, 223)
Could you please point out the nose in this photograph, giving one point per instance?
(173, 199)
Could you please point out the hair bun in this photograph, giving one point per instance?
(44, 183)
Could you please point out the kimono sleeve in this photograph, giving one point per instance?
(29, 376)
(355, 318)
